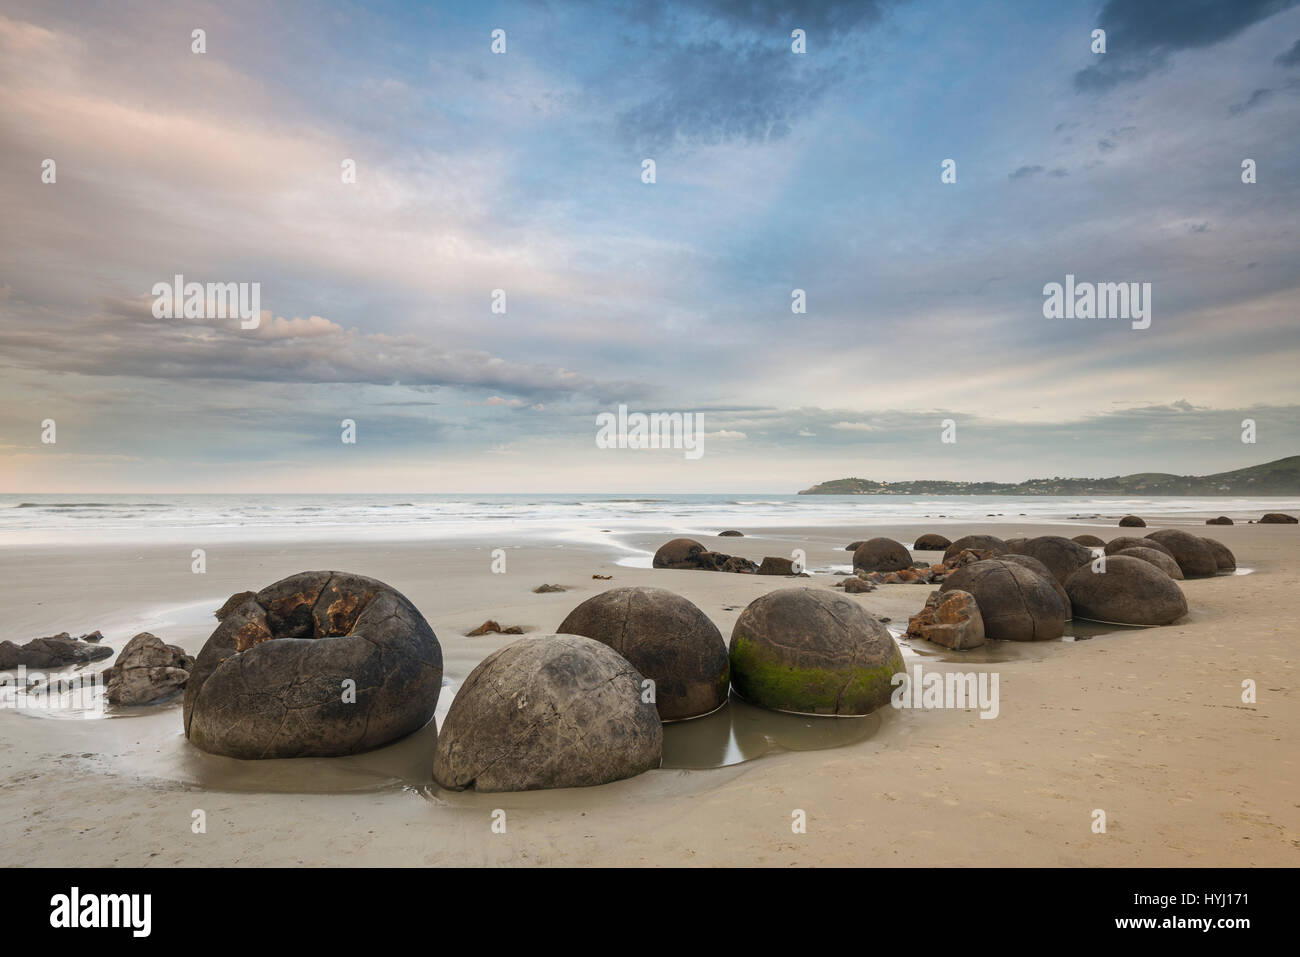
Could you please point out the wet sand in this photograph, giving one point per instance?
(1146, 724)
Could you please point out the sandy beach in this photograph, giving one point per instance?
(1147, 725)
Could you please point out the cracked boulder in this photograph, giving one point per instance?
(1162, 560)
(1223, 557)
(1043, 572)
(1060, 555)
(1190, 552)
(812, 651)
(318, 664)
(1015, 603)
(147, 671)
(666, 638)
(557, 712)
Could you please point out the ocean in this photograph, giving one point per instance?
(27, 519)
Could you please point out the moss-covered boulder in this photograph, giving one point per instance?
(666, 638)
(812, 651)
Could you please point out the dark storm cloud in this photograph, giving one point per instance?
(1141, 35)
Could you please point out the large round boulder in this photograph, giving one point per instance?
(1043, 572)
(1060, 555)
(1131, 521)
(812, 651)
(976, 543)
(679, 553)
(1190, 552)
(931, 542)
(1089, 541)
(1125, 542)
(666, 638)
(1015, 546)
(557, 712)
(1223, 557)
(1015, 603)
(1162, 560)
(1221, 520)
(1130, 592)
(1278, 518)
(881, 555)
(318, 664)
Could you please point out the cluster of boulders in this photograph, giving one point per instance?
(587, 706)
(1027, 589)
(686, 553)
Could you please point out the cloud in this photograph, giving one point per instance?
(1256, 97)
(1290, 57)
(1024, 172)
(1142, 35)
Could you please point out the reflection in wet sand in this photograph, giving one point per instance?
(739, 732)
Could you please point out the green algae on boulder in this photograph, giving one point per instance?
(812, 651)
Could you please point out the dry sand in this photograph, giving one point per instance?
(1148, 726)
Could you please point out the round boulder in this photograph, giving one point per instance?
(318, 664)
(1043, 572)
(731, 533)
(977, 543)
(1089, 541)
(679, 553)
(1278, 518)
(666, 638)
(882, 555)
(1162, 560)
(1223, 557)
(557, 712)
(1131, 521)
(1130, 592)
(1015, 546)
(930, 542)
(1125, 542)
(1015, 603)
(1221, 520)
(812, 651)
(1190, 552)
(1059, 554)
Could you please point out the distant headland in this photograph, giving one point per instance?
(1272, 478)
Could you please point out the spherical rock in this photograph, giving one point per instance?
(1089, 541)
(812, 651)
(882, 555)
(1015, 546)
(1125, 542)
(679, 553)
(731, 533)
(1043, 572)
(1015, 603)
(666, 638)
(852, 546)
(1059, 554)
(557, 712)
(975, 543)
(1223, 557)
(1162, 560)
(272, 680)
(931, 542)
(1278, 518)
(1190, 552)
(1221, 520)
(1131, 521)
(1130, 592)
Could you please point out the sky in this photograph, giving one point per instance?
(522, 171)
